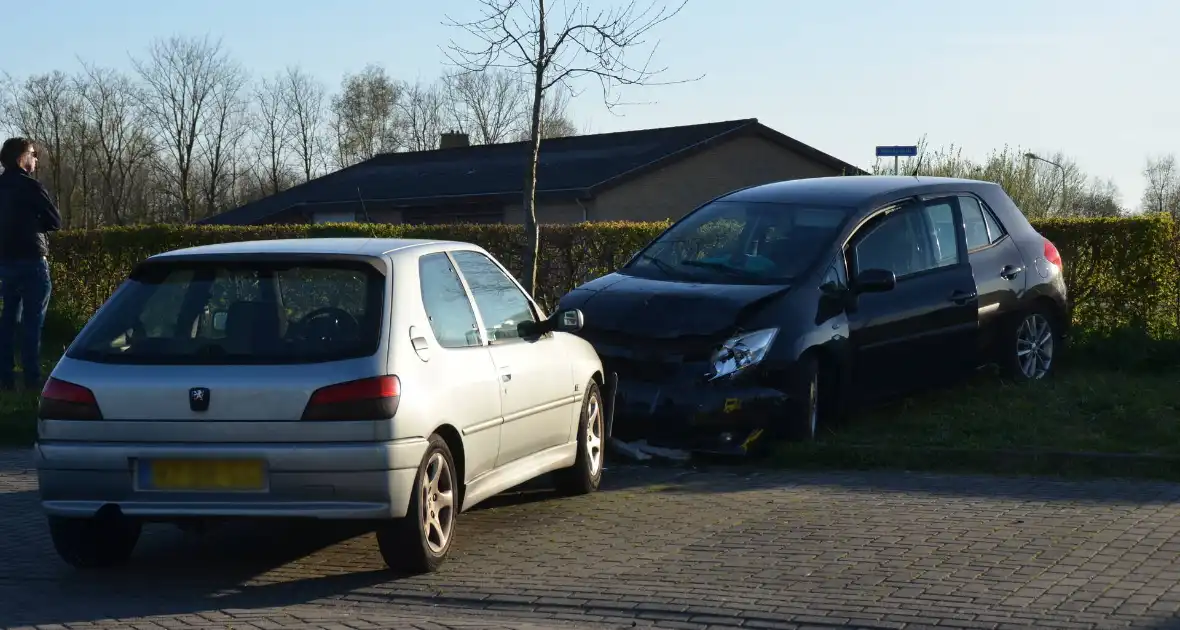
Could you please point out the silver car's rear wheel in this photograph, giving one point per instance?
(436, 492)
(419, 542)
(97, 542)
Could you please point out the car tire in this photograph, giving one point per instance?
(585, 475)
(97, 542)
(803, 407)
(419, 542)
(1030, 346)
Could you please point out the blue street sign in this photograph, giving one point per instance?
(897, 151)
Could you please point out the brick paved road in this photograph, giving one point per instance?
(659, 547)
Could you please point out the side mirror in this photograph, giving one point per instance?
(569, 320)
(218, 320)
(874, 281)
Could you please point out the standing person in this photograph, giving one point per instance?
(27, 214)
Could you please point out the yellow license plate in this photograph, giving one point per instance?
(205, 474)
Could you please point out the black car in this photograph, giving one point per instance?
(775, 309)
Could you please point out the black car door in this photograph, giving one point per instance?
(998, 266)
(924, 330)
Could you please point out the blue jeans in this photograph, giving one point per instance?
(26, 288)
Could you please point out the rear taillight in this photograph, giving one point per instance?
(1051, 253)
(62, 400)
(366, 399)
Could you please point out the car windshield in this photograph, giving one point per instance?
(239, 312)
(741, 242)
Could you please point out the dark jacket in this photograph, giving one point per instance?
(27, 214)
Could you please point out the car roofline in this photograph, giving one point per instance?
(366, 247)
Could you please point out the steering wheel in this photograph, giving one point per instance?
(343, 324)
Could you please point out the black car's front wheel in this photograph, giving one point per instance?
(803, 406)
(1031, 347)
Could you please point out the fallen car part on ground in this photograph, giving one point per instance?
(640, 450)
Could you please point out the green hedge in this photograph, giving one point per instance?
(1122, 273)
(88, 265)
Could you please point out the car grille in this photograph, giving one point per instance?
(652, 360)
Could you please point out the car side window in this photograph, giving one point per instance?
(501, 303)
(995, 230)
(940, 214)
(916, 238)
(447, 307)
(975, 225)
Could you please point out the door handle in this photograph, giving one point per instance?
(1010, 271)
(505, 377)
(962, 297)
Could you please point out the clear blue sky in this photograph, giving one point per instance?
(1096, 80)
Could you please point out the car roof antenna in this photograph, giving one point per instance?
(919, 166)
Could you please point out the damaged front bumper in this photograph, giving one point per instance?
(719, 417)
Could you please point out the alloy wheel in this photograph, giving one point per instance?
(1034, 346)
(437, 501)
(594, 433)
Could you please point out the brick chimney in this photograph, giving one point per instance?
(453, 139)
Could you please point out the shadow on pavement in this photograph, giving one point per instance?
(246, 564)
(723, 477)
(276, 564)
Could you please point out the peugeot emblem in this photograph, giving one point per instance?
(198, 398)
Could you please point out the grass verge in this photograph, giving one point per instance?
(18, 410)
(18, 418)
(1085, 421)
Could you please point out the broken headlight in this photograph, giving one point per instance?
(740, 352)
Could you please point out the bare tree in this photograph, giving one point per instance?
(1099, 199)
(366, 115)
(1035, 186)
(272, 128)
(555, 120)
(225, 128)
(422, 113)
(518, 35)
(45, 108)
(305, 113)
(487, 106)
(122, 145)
(188, 83)
(1163, 186)
(7, 90)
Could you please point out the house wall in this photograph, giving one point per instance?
(554, 212)
(680, 187)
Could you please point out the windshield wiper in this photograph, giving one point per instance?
(709, 264)
(661, 265)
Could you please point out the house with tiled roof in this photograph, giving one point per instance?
(643, 175)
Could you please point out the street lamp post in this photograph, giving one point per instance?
(1034, 156)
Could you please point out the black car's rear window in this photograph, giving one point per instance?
(239, 312)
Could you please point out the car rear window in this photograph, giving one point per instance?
(214, 312)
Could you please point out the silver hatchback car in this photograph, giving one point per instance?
(398, 381)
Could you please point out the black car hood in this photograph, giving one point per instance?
(643, 307)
